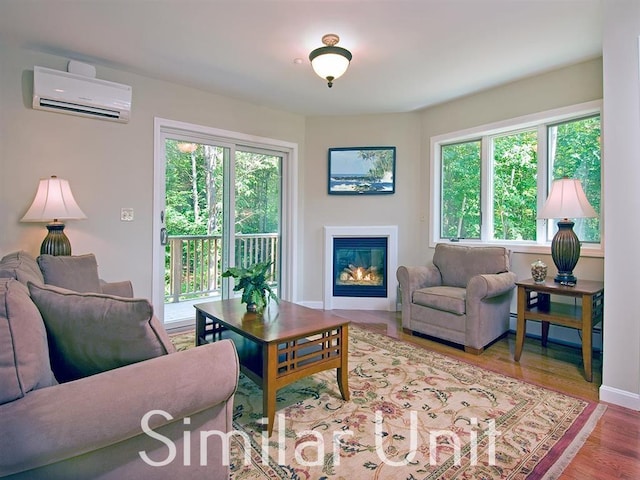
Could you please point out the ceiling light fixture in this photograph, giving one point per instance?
(330, 62)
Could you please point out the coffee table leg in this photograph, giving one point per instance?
(200, 323)
(269, 372)
(343, 370)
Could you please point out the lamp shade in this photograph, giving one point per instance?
(567, 200)
(53, 201)
(330, 62)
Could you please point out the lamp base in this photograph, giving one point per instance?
(56, 242)
(565, 251)
(565, 278)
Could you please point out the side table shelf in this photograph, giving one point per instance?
(534, 303)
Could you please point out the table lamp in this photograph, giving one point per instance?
(54, 202)
(566, 200)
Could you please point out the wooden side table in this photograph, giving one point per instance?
(534, 303)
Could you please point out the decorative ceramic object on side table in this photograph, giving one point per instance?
(539, 271)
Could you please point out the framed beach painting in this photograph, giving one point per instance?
(362, 171)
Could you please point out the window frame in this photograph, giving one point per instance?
(539, 121)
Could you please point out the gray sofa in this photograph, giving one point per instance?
(463, 297)
(91, 386)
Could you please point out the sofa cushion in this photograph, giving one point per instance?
(447, 299)
(78, 273)
(458, 263)
(21, 266)
(24, 354)
(91, 332)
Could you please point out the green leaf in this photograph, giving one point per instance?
(253, 282)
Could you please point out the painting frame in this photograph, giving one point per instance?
(361, 171)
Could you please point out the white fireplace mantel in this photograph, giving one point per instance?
(387, 303)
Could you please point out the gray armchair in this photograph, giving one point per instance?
(464, 297)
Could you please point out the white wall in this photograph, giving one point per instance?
(411, 133)
(399, 130)
(621, 372)
(559, 88)
(109, 165)
(568, 86)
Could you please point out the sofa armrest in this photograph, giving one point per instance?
(67, 420)
(120, 289)
(490, 285)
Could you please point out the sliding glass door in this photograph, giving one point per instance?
(222, 206)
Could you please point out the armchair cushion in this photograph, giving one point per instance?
(78, 273)
(21, 266)
(24, 354)
(447, 299)
(90, 333)
(458, 264)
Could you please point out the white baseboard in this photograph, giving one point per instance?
(620, 397)
(320, 306)
(312, 304)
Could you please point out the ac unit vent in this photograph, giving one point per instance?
(70, 107)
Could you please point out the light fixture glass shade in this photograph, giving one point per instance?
(329, 64)
(567, 200)
(53, 201)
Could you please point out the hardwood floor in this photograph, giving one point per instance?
(612, 451)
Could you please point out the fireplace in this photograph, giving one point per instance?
(360, 266)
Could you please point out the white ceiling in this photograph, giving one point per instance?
(407, 54)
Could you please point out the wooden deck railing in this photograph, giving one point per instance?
(193, 262)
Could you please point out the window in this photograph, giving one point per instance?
(489, 183)
(460, 216)
(515, 161)
(574, 152)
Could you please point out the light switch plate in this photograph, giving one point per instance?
(126, 214)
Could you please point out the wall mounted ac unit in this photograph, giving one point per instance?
(73, 94)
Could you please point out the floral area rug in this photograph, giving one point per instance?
(413, 414)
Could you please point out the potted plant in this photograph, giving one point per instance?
(254, 284)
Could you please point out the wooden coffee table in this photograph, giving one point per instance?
(284, 344)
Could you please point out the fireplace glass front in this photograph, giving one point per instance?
(360, 267)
